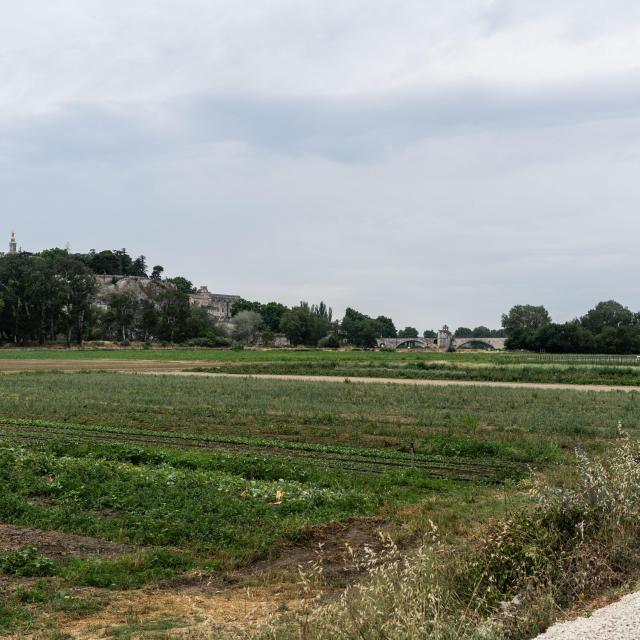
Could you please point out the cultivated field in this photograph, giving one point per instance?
(401, 364)
(147, 506)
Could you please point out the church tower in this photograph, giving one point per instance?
(13, 246)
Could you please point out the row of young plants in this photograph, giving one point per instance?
(266, 443)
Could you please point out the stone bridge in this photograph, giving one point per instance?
(444, 341)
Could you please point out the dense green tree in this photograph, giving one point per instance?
(246, 305)
(429, 334)
(306, 325)
(463, 332)
(622, 339)
(267, 337)
(139, 267)
(482, 332)
(385, 327)
(156, 273)
(43, 297)
(117, 262)
(76, 288)
(569, 337)
(332, 341)
(149, 321)
(247, 326)
(408, 332)
(272, 313)
(182, 284)
(359, 329)
(122, 309)
(296, 324)
(607, 314)
(15, 277)
(200, 324)
(525, 318)
(174, 310)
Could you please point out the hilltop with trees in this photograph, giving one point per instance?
(56, 295)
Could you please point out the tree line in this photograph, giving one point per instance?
(609, 327)
(54, 295)
(313, 325)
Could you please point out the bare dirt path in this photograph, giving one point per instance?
(405, 381)
(180, 368)
(56, 544)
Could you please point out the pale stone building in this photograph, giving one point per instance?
(445, 338)
(13, 246)
(218, 305)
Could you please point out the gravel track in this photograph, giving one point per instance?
(618, 621)
(407, 381)
(179, 368)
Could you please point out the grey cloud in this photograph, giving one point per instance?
(320, 172)
(357, 129)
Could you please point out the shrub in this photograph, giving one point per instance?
(26, 562)
(209, 343)
(329, 342)
(128, 572)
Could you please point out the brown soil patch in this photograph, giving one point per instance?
(198, 613)
(327, 544)
(56, 544)
(208, 605)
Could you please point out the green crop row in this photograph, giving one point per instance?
(254, 442)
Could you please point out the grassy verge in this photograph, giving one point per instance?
(571, 544)
(425, 370)
(22, 606)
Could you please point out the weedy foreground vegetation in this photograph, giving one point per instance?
(157, 482)
(571, 544)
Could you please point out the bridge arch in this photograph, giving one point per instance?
(399, 343)
(472, 343)
(411, 342)
(428, 343)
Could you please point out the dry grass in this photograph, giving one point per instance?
(572, 543)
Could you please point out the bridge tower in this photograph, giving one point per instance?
(445, 338)
(13, 245)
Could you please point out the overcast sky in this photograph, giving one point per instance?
(430, 161)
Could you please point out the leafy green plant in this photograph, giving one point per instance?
(26, 562)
